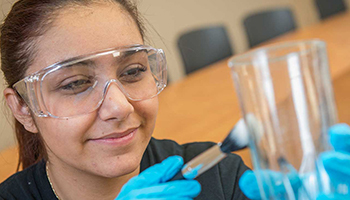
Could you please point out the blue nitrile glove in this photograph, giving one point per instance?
(337, 163)
(249, 184)
(151, 183)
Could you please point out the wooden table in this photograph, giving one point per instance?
(204, 107)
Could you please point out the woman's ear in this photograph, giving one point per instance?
(20, 110)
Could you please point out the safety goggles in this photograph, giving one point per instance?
(78, 86)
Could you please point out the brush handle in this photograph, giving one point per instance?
(200, 163)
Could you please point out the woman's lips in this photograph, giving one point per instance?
(117, 138)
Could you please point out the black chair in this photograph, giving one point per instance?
(327, 8)
(203, 47)
(266, 25)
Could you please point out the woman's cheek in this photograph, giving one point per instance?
(148, 111)
(65, 132)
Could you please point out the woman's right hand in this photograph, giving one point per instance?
(152, 183)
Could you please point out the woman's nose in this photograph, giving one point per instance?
(115, 105)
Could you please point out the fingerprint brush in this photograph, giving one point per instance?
(237, 139)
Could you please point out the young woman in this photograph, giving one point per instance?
(83, 87)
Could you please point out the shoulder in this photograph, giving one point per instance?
(27, 184)
(17, 179)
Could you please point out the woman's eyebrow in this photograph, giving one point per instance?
(88, 63)
(121, 56)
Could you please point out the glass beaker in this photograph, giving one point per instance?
(286, 97)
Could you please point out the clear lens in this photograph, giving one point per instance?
(78, 87)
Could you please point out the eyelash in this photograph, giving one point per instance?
(134, 72)
(69, 86)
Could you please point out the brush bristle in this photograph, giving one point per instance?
(238, 138)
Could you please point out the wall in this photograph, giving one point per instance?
(7, 137)
(171, 17)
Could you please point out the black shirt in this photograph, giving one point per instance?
(220, 182)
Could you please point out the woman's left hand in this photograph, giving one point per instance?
(336, 163)
(152, 183)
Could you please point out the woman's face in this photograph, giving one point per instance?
(110, 141)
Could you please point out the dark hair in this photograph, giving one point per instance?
(27, 20)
